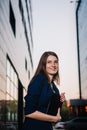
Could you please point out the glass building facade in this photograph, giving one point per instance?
(16, 61)
(78, 107)
(82, 36)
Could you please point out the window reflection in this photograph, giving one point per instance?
(9, 105)
(12, 93)
(12, 82)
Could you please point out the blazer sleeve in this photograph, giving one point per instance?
(33, 94)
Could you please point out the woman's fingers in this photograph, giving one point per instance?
(58, 114)
(62, 97)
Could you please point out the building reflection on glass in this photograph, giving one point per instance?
(16, 64)
(78, 107)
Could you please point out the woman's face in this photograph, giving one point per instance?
(52, 65)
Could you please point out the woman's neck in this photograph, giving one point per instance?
(50, 78)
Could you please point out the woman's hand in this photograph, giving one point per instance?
(62, 97)
(58, 116)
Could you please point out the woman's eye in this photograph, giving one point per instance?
(48, 61)
(56, 62)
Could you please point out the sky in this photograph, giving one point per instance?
(54, 29)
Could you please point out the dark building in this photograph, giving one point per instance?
(16, 62)
(78, 107)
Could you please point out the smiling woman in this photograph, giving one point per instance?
(52, 66)
(43, 100)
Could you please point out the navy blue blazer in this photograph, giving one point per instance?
(38, 98)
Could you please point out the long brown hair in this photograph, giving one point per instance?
(41, 68)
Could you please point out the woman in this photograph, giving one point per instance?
(43, 101)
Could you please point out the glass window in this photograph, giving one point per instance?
(8, 68)
(11, 92)
(8, 85)
(12, 19)
(12, 81)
